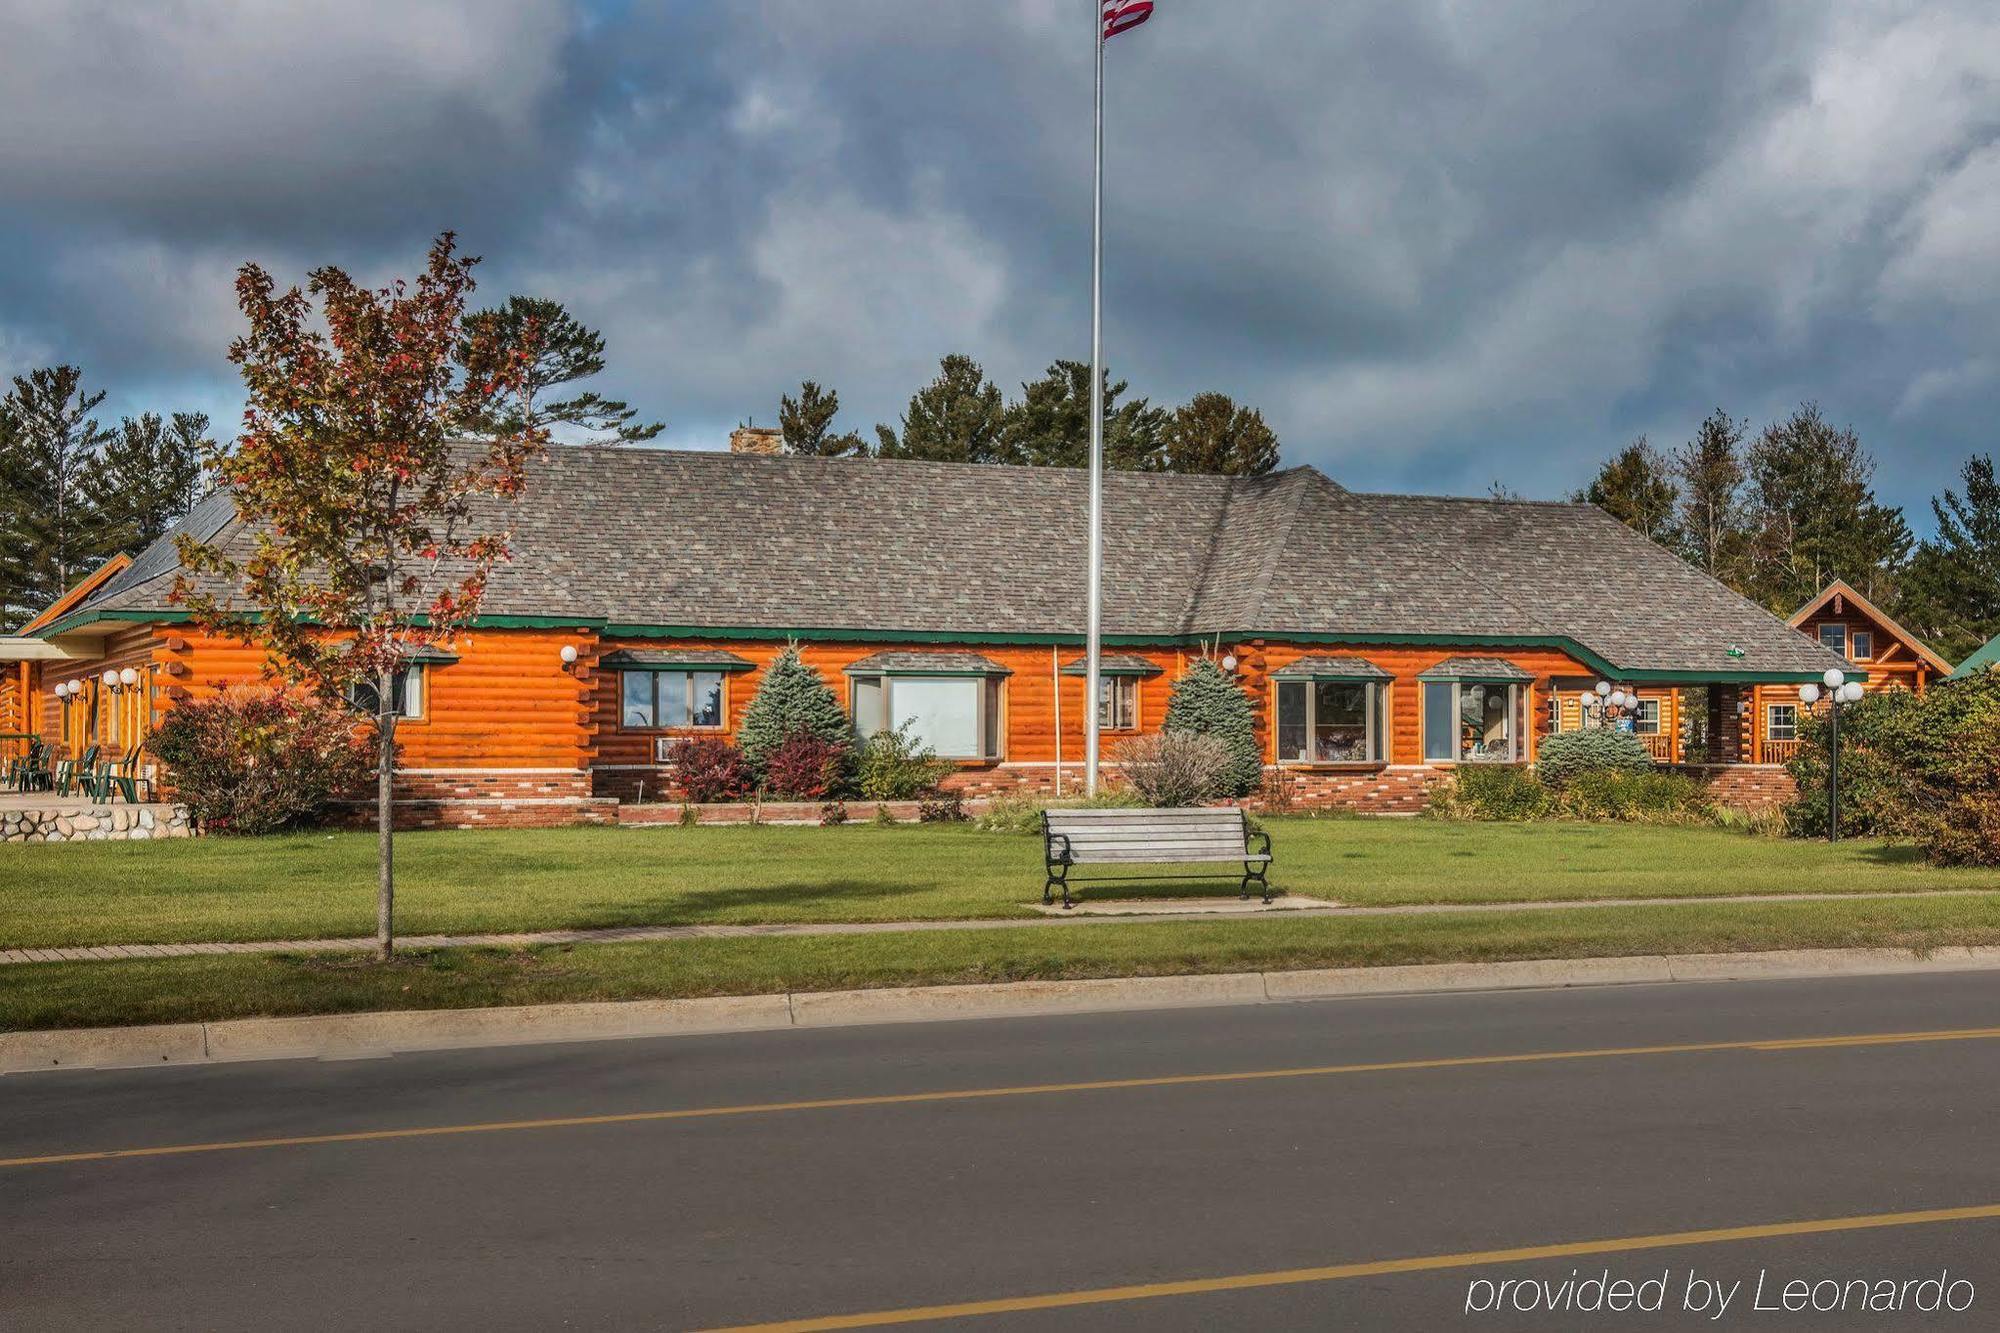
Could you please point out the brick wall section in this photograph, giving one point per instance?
(1382, 791)
(1756, 788)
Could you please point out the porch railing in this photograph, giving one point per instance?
(1661, 747)
(1780, 752)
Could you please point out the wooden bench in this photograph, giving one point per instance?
(1182, 836)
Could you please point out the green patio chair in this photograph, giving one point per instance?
(76, 774)
(34, 773)
(123, 779)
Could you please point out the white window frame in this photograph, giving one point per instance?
(1516, 742)
(414, 681)
(687, 722)
(1112, 686)
(989, 707)
(1374, 716)
(1640, 724)
(1771, 721)
(1855, 638)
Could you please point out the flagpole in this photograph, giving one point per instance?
(1095, 615)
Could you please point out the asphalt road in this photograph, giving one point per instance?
(1037, 1188)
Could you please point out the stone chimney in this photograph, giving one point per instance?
(756, 440)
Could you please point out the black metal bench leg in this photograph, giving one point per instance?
(1259, 877)
(1058, 878)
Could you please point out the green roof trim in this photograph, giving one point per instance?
(616, 629)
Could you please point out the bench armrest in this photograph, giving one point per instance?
(1259, 834)
(1049, 852)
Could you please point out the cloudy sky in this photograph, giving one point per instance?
(1440, 242)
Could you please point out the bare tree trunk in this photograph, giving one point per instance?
(385, 776)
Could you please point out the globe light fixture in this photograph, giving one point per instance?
(128, 677)
(1229, 662)
(110, 678)
(1809, 693)
(568, 654)
(1851, 692)
(1833, 678)
(62, 689)
(1603, 688)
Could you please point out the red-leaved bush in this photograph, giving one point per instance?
(805, 767)
(258, 760)
(711, 769)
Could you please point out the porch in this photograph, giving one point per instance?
(1705, 725)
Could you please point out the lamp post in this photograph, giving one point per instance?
(1608, 703)
(1839, 690)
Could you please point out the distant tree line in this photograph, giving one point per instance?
(962, 417)
(1779, 514)
(74, 492)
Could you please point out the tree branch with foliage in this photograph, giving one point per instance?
(806, 424)
(372, 529)
(557, 349)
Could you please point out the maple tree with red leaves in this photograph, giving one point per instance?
(376, 492)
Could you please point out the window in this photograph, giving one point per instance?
(1860, 645)
(1834, 637)
(1329, 722)
(670, 700)
(1117, 703)
(406, 693)
(1646, 717)
(957, 716)
(1470, 722)
(1783, 723)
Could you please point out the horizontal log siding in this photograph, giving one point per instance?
(506, 702)
(1027, 699)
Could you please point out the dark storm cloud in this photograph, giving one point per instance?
(1441, 244)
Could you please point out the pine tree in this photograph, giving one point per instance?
(1815, 516)
(51, 533)
(790, 699)
(956, 418)
(1635, 488)
(149, 476)
(1713, 533)
(1951, 592)
(1049, 426)
(806, 423)
(564, 351)
(1211, 434)
(1205, 700)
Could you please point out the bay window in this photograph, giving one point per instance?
(1471, 721)
(1330, 721)
(954, 711)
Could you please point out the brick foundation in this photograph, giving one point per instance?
(1377, 791)
(498, 798)
(1756, 788)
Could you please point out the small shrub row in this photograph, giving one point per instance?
(256, 760)
(1515, 794)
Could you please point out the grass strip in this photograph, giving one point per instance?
(490, 881)
(48, 995)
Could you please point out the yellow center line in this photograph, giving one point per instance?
(1375, 1268)
(1028, 1090)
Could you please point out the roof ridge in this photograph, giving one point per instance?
(1300, 486)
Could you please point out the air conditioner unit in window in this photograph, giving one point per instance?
(663, 748)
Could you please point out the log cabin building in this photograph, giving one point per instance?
(1383, 639)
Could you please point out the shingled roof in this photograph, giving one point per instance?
(699, 541)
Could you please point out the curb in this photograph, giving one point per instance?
(349, 1036)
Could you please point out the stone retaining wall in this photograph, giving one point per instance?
(94, 823)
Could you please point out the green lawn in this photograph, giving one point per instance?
(322, 885)
(43, 995)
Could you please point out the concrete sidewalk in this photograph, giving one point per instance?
(1099, 913)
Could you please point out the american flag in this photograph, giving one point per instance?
(1123, 15)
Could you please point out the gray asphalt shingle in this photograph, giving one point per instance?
(726, 541)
